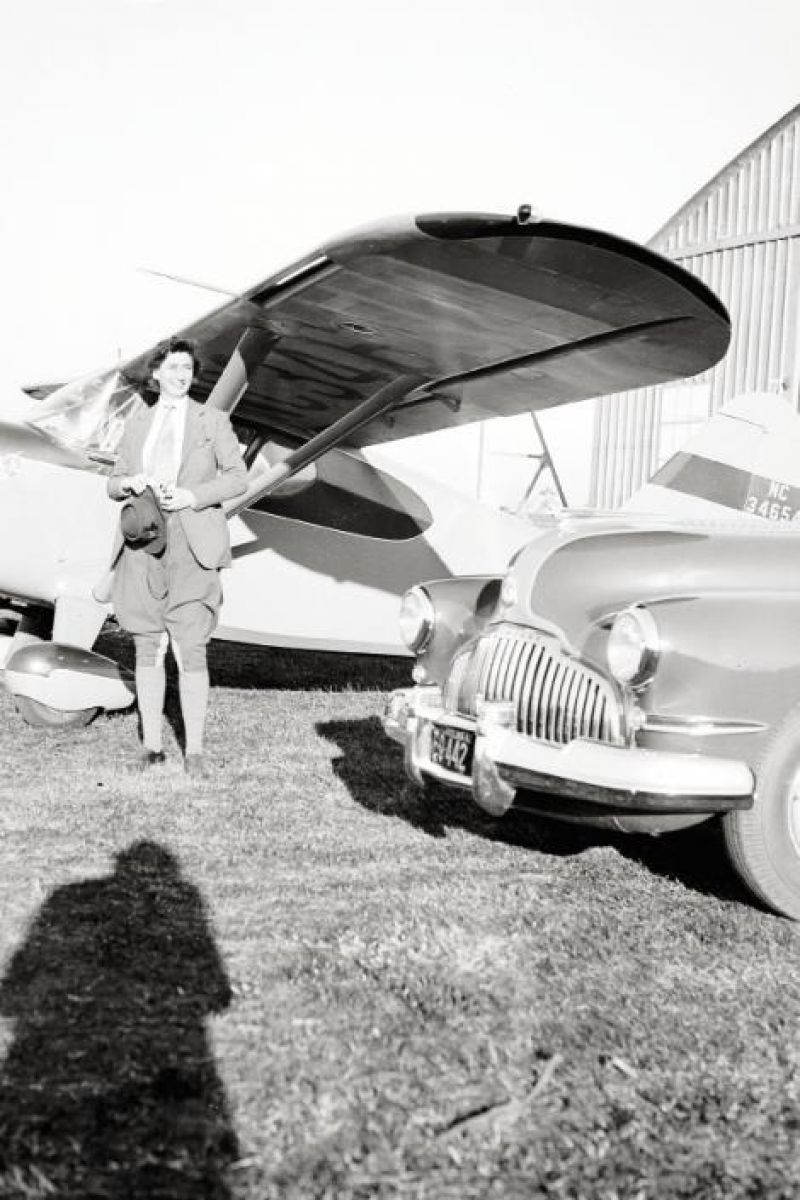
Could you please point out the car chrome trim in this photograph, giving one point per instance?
(594, 768)
(622, 797)
(650, 651)
(557, 696)
(697, 726)
(426, 619)
(606, 620)
(612, 776)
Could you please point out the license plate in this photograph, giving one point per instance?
(452, 748)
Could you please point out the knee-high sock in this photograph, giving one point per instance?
(150, 686)
(193, 688)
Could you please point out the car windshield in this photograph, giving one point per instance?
(90, 413)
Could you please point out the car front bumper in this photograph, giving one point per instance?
(609, 776)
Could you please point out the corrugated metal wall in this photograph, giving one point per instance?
(741, 235)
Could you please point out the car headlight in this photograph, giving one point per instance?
(633, 646)
(417, 619)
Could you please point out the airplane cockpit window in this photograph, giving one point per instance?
(89, 414)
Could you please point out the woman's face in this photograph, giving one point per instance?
(174, 375)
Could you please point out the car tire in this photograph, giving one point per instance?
(33, 712)
(763, 842)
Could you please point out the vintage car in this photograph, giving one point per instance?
(642, 675)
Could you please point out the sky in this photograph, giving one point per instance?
(220, 140)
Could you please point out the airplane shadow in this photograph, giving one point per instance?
(371, 767)
(241, 665)
(109, 1087)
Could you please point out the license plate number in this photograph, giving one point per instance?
(452, 748)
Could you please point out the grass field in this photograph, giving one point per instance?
(301, 978)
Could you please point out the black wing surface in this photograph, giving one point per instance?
(483, 315)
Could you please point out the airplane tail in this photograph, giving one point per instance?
(743, 464)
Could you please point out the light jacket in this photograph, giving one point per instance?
(211, 467)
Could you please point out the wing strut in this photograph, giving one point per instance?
(403, 393)
(430, 390)
(265, 481)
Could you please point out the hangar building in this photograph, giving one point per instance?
(740, 234)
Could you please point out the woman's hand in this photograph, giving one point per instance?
(133, 485)
(173, 499)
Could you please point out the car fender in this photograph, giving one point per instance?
(727, 657)
(462, 606)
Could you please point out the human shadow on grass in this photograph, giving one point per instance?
(371, 767)
(109, 1087)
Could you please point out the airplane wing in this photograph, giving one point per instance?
(451, 319)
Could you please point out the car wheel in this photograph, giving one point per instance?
(763, 842)
(44, 717)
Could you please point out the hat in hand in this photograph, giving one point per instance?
(143, 524)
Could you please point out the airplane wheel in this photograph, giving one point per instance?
(44, 717)
(763, 843)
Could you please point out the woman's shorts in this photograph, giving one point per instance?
(170, 591)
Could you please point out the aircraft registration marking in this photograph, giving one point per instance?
(732, 487)
(772, 499)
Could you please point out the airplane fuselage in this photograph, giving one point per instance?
(322, 569)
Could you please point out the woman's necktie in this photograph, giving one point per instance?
(164, 456)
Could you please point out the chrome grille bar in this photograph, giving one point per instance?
(557, 697)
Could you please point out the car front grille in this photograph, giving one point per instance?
(557, 698)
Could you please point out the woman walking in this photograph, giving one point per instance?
(187, 453)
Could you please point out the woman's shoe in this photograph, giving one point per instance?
(195, 765)
(152, 758)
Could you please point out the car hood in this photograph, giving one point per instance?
(573, 579)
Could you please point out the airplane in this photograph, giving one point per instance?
(741, 464)
(404, 327)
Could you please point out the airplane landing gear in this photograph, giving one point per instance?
(57, 685)
(33, 712)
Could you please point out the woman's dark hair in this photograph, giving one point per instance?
(175, 345)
